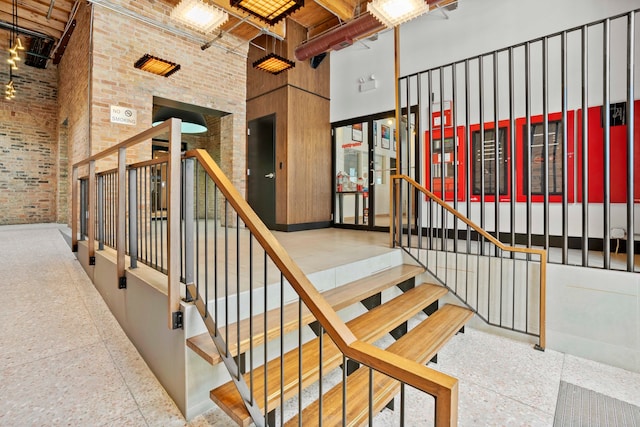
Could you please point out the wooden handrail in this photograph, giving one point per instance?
(541, 252)
(443, 387)
(161, 129)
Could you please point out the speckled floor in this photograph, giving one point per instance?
(66, 361)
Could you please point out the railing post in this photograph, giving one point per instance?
(133, 218)
(121, 220)
(100, 196)
(188, 199)
(543, 302)
(91, 229)
(173, 226)
(74, 210)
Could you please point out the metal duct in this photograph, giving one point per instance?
(339, 37)
(345, 35)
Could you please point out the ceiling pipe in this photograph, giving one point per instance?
(344, 35)
(339, 37)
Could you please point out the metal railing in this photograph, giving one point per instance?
(562, 171)
(209, 239)
(504, 285)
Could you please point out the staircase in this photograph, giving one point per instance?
(285, 376)
(207, 223)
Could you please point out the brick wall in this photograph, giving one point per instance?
(212, 78)
(28, 146)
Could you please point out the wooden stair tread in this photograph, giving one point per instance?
(432, 334)
(369, 326)
(340, 297)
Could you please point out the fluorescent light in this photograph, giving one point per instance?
(198, 15)
(395, 12)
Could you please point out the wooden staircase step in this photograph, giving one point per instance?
(369, 327)
(419, 344)
(340, 297)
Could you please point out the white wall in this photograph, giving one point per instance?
(476, 27)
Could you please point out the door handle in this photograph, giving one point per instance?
(269, 175)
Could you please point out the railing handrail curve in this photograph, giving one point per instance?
(477, 228)
(437, 384)
(534, 251)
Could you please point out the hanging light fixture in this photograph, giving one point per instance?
(15, 44)
(192, 122)
(270, 11)
(273, 63)
(395, 12)
(198, 15)
(155, 65)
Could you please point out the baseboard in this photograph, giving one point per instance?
(302, 227)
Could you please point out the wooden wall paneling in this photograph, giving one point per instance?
(309, 176)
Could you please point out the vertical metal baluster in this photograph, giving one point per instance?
(585, 146)
(154, 171)
(163, 196)
(431, 169)
(320, 375)
(147, 213)
(630, 140)
(133, 218)
(100, 216)
(238, 287)
(196, 193)
(370, 397)
(606, 157)
(467, 174)
(140, 215)
(528, 140)
(403, 399)
(482, 142)
(442, 160)
(265, 341)
(512, 152)
(226, 275)
(281, 349)
(565, 154)
(344, 390)
(300, 362)
(419, 133)
(206, 247)
(545, 149)
(251, 379)
(513, 178)
(496, 147)
(456, 145)
(215, 253)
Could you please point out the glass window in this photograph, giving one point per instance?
(539, 160)
(489, 167)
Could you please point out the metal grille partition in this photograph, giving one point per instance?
(538, 143)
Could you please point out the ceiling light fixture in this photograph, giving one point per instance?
(395, 12)
(198, 15)
(274, 64)
(270, 11)
(156, 65)
(192, 122)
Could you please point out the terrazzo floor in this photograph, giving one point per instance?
(66, 361)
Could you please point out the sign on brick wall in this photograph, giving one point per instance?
(125, 116)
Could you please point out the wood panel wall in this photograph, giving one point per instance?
(300, 100)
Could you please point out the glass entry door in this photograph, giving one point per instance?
(365, 157)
